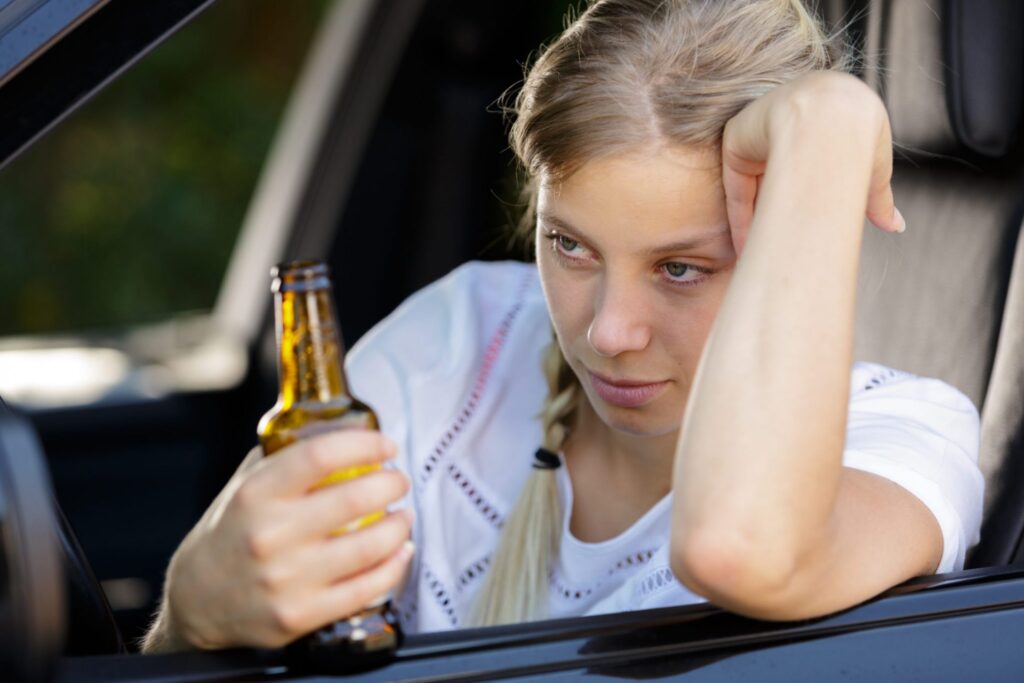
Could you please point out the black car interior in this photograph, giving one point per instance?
(434, 186)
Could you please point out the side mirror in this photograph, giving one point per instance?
(32, 600)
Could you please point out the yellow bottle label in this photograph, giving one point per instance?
(345, 475)
(279, 440)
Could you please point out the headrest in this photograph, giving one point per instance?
(951, 72)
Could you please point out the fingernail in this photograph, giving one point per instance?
(900, 221)
(410, 515)
(390, 447)
(408, 548)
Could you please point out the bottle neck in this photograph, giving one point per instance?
(309, 349)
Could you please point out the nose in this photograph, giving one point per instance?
(619, 323)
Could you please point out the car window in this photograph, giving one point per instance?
(126, 214)
(27, 25)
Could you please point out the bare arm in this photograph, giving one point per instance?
(766, 520)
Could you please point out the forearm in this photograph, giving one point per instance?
(759, 460)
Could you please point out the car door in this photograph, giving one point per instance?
(370, 172)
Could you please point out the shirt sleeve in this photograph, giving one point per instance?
(415, 367)
(923, 435)
(388, 367)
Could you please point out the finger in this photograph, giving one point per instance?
(318, 514)
(348, 597)
(324, 563)
(254, 456)
(299, 467)
(740, 193)
(746, 139)
(216, 508)
(883, 214)
(881, 207)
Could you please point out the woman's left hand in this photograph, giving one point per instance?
(822, 102)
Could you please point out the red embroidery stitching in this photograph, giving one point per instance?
(494, 347)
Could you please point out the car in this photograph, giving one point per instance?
(389, 154)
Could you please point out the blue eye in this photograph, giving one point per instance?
(677, 273)
(677, 270)
(569, 250)
(567, 243)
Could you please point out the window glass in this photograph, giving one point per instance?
(127, 212)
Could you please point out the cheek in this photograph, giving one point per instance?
(685, 326)
(683, 337)
(568, 298)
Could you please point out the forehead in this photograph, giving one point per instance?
(667, 190)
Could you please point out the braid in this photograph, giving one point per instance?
(563, 397)
(516, 587)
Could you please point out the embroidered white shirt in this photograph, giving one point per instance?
(455, 377)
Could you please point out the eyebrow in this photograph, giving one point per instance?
(679, 245)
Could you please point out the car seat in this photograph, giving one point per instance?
(946, 299)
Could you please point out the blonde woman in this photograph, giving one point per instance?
(699, 174)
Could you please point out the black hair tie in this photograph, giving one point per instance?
(544, 459)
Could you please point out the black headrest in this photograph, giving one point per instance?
(951, 75)
(985, 56)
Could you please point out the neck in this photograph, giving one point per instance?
(309, 348)
(638, 469)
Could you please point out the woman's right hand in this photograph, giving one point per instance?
(262, 567)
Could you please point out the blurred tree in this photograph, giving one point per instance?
(128, 211)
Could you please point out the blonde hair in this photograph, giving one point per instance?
(623, 75)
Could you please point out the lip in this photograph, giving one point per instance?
(625, 393)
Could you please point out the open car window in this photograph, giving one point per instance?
(125, 217)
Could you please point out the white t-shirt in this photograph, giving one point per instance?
(455, 377)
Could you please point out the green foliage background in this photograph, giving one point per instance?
(128, 211)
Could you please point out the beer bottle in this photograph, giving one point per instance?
(314, 399)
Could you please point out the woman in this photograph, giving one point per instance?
(702, 434)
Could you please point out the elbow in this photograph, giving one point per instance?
(737, 572)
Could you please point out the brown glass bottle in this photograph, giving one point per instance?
(314, 399)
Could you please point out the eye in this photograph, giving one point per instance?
(567, 248)
(683, 273)
(677, 270)
(566, 244)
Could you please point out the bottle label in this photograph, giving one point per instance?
(349, 421)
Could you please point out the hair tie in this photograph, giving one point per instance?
(544, 459)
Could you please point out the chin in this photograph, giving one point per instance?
(643, 422)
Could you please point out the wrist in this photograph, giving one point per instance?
(826, 106)
(163, 637)
(168, 632)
